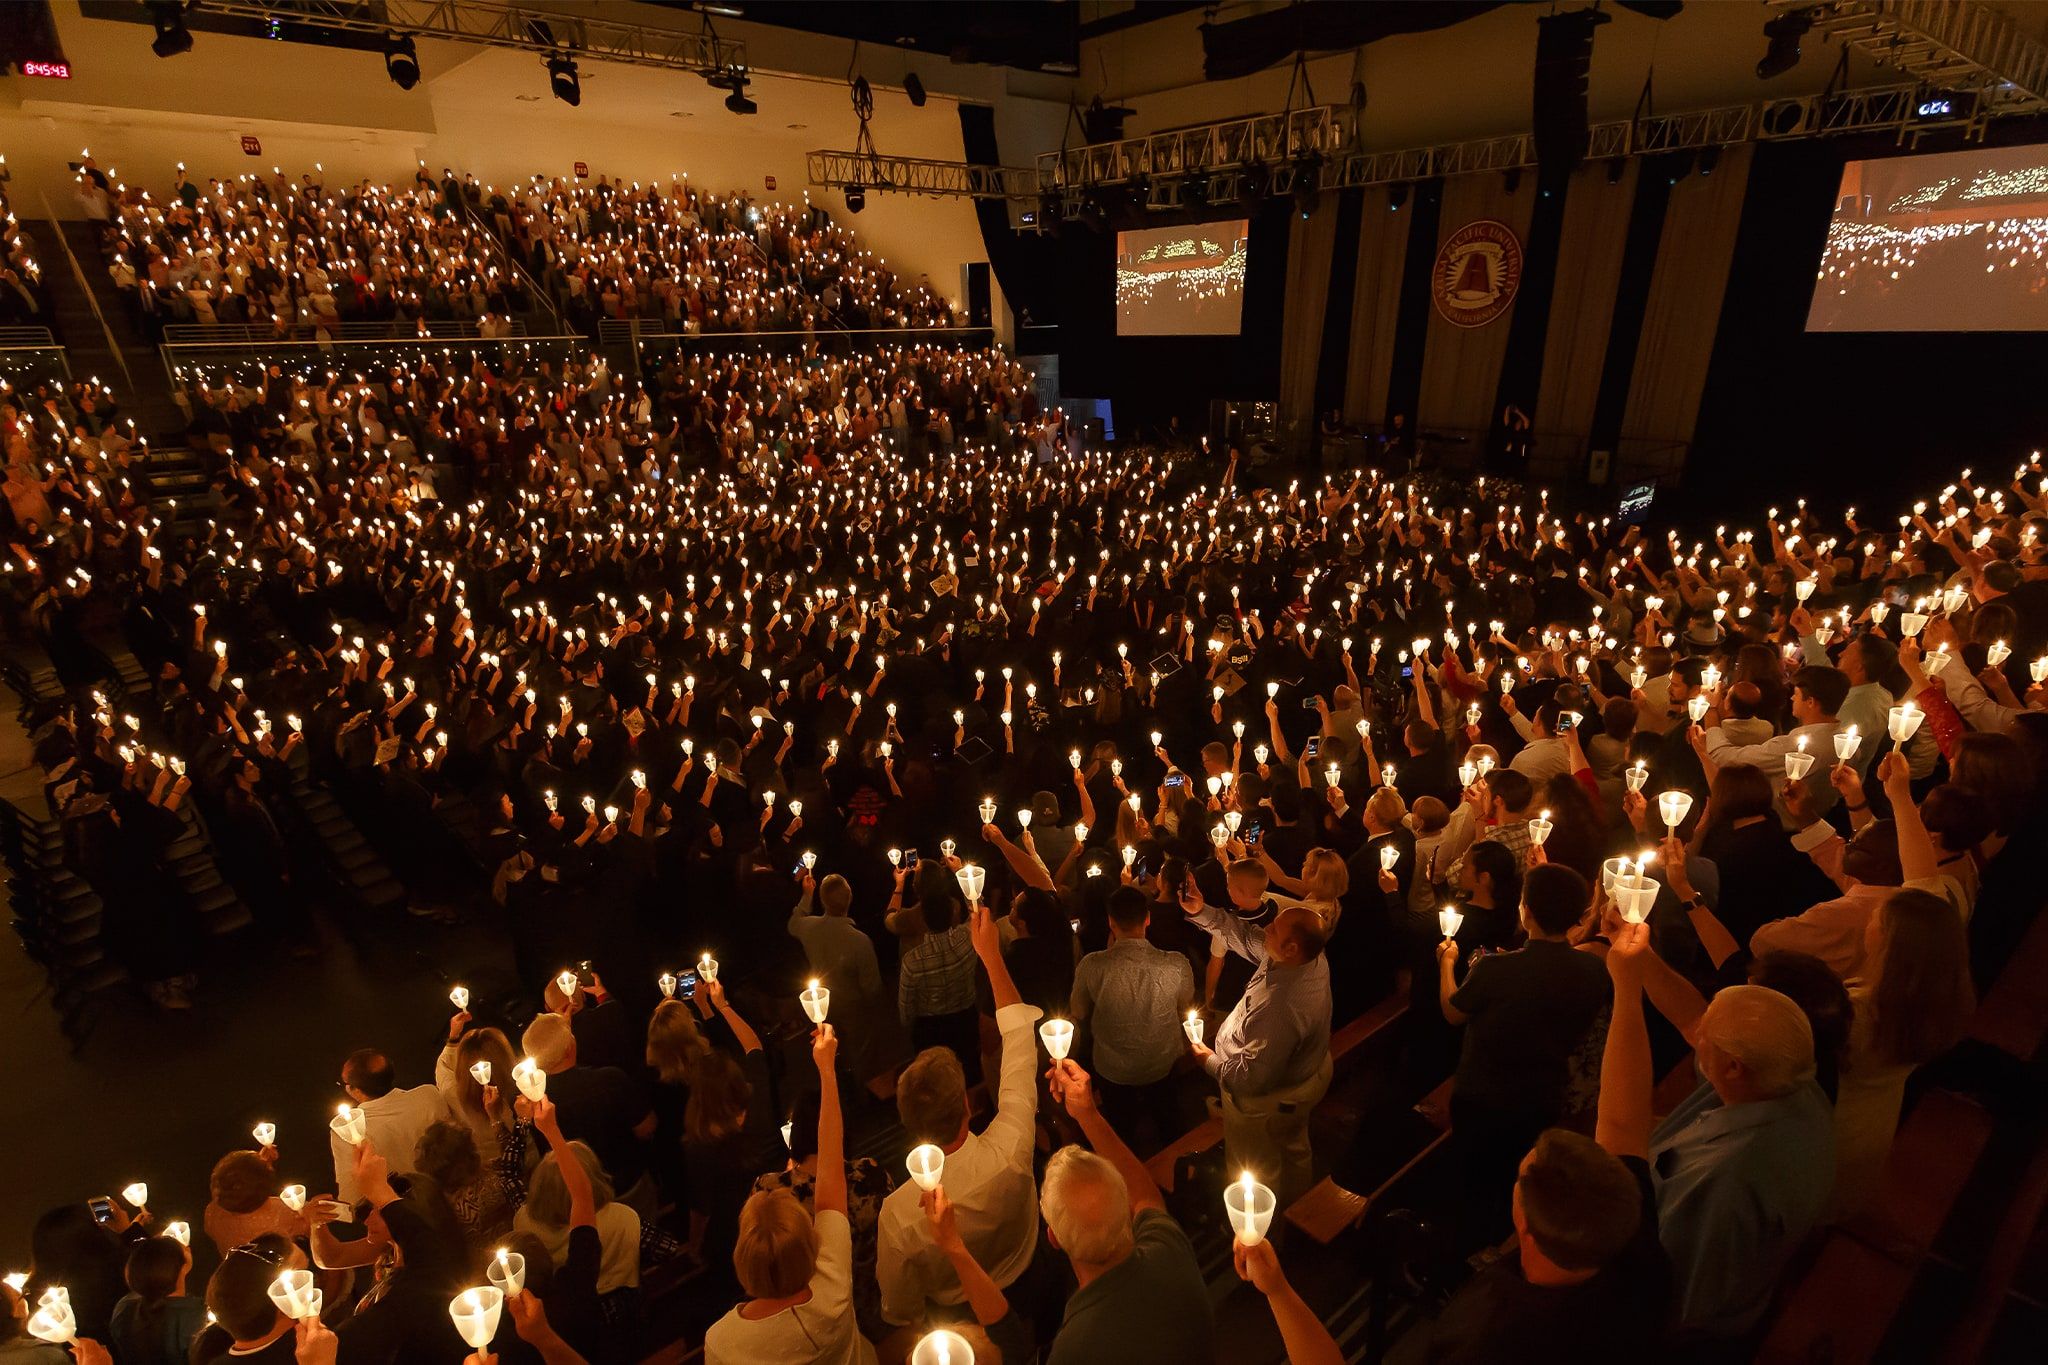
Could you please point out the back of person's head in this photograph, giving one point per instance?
(1879, 656)
(1766, 1032)
(931, 1097)
(1511, 788)
(238, 1293)
(1129, 908)
(938, 895)
(548, 1040)
(1618, 719)
(1923, 998)
(1215, 756)
(1872, 857)
(1554, 897)
(69, 1247)
(835, 896)
(481, 1045)
(369, 1071)
(1323, 875)
(154, 1265)
(242, 1182)
(1579, 1204)
(1995, 767)
(777, 1250)
(719, 1095)
(1957, 816)
(1745, 700)
(1546, 717)
(1248, 877)
(1086, 1206)
(1813, 986)
(1496, 861)
(1740, 792)
(447, 1156)
(674, 1043)
(1431, 814)
(1420, 734)
(1285, 802)
(1829, 687)
(1385, 806)
(1040, 914)
(547, 1195)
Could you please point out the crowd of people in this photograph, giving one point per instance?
(828, 705)
(297, 259)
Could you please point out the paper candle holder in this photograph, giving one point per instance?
(667, 984)
(1847, 742)
(1467, 774)
(1249, 1206)
(1673, 807)
(507, 1272)
(351, 1125)
(1192, 1026)
(137, 1194)
(971, 878)
(475, 1313)
(459, 997)
(942, 1347)
(293, 1197)
(1449, 919)
(1635, 776)
(1539, 830)
(1798, 764)
(295, 1294)
(816, 1000)
(1937, 663)
(1910, 622)
(1634, 894)
(927, 1165)
(480, 1072)
(707, 967)
(179, 1231)
(1058, 1037)
(531, 1080)
(1390, 856)
(265, 1134)
(1903, 722)
(988, 810)
(54, 1323)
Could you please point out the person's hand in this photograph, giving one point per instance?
(1507, 703)
(86, 1351)
(1389, 883)
(824, 1048)
(1628, 951)
(1258, 1263)
(1897, 776)
(1798, 798)
(529, 1318)
(1446, 953)
(267, 1154)
(991, 834)
(940, 1222)
(1844, 778)
(1637, 807)
(1201, 1052)
(1190, 901)
(1939, 631)
(716, 991)
(457, 1023)
(1071, 1086)
(555, 820)
(988, 938)
(314, 1344)
(1537, 857)
(118, 1219)
(371, 1169)
(546, 1119)
(1672, 850)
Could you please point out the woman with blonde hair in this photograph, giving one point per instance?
(1321, 886)
(455, 1078)
(674, 1042)
(795, 1270)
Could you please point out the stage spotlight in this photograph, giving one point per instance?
(563, 80)
(1783, 33)
(1306, 191)
(1397, 197)
(1254, 183)
(401, 61)
(172, 37)
(856, 198)
(914, 88)
(738, 102)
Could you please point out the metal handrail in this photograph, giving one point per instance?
(406, 329)
(78, 273)
(27, 338)
(511, 262)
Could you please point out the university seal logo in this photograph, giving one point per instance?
(1477, 273)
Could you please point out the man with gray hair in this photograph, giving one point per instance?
(1744, 1166)
(1141, 1297)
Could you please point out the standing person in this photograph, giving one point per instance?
(155, 1322)
(843, 957)
(1131, 998)
(395, 1119)
(599, 1105)
(989, 1175)
(797, 1268)
(1526, 1014)
(1272, 1054)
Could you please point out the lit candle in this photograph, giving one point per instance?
(1249, 1206)
(971, 879)
(1449, 919)
(293, 1197)
(1636, 775)
(565, 981)
(1539, 829)
(295, 1294)
(666, 983)
(1674, 806)
(265, 1134)
(54, 1322)
(1058, 1037)
(988, 810)
(349, 1124)
(1847, 742)
(1997, 652)
(895, 857)
(1024, 818)
(475, 1312)
(531, 1080)
(816, 1000)
(946, 847)
(707, 965)
(1903, 721)
(1192, 1026)
(459, 997)
(942, 1348)
(137, 1194)
(179, 1231)
(1467, 774)
(507, 1271)
(1798, 763)
(927, 1164)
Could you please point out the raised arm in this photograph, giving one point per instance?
(749, 1040)
(831, 1185)
(1626, 1072)
(1071, 1087)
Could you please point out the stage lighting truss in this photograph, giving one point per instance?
(1949, 45)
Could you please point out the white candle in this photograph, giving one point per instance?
(988, 810)
(895, 857)
(816, 1000)
(1910, 622)
(2039, 669)
(459, 997)
(531, 1080)
(1903, 721)
(480, 1071)
(927, 1164)
(1997, 652)
(1847, 742)
(1449, 919)
(1058, 1037)
(1192, 1026)
(179, 1231)
(507, 1271)
(1674, 806)
(1249, 1206)
(1798, 763)
(1636, 775)
(349, 1124)
(475, 1312)
(293, 1197)
(137, 1194)
(1634, 894)
(1696, 707)
(707, 965)
(971, 879)
(1467, 774)
(666, 983)
(1130, 854)
(295, 1294)
(1539, 829)
(265, 1134)
(1024, 818)
(942, 1348)
(54, 1323)
(565, 982)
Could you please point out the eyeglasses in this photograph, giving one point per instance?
(270, 1256)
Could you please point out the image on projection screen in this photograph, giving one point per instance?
(1181, 281)
(1955, 242)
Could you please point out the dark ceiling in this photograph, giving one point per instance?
(1032, 35)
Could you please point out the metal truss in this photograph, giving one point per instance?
(488, 24)
(1328, 131)
(912, 175)
(1948, 44)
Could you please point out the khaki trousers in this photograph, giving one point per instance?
(1268, 1134)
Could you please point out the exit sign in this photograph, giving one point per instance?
(54, 70)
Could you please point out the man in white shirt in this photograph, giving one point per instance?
(988, 1176)
(395, 1118)
(1543, 754)
(1817, 694)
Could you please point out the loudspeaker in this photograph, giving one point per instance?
(1564, 54)
(977, 294)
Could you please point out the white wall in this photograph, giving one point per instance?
(140, 115)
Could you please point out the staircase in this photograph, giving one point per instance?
(142, 386)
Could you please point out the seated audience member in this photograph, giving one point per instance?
(245, 1205)
(601, 1106)
(155, 1321)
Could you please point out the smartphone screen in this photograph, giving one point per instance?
(1308, 750)
(102, 1210)
(1308, 703)
(1176, 780)
(910, 857)
(686, 985)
